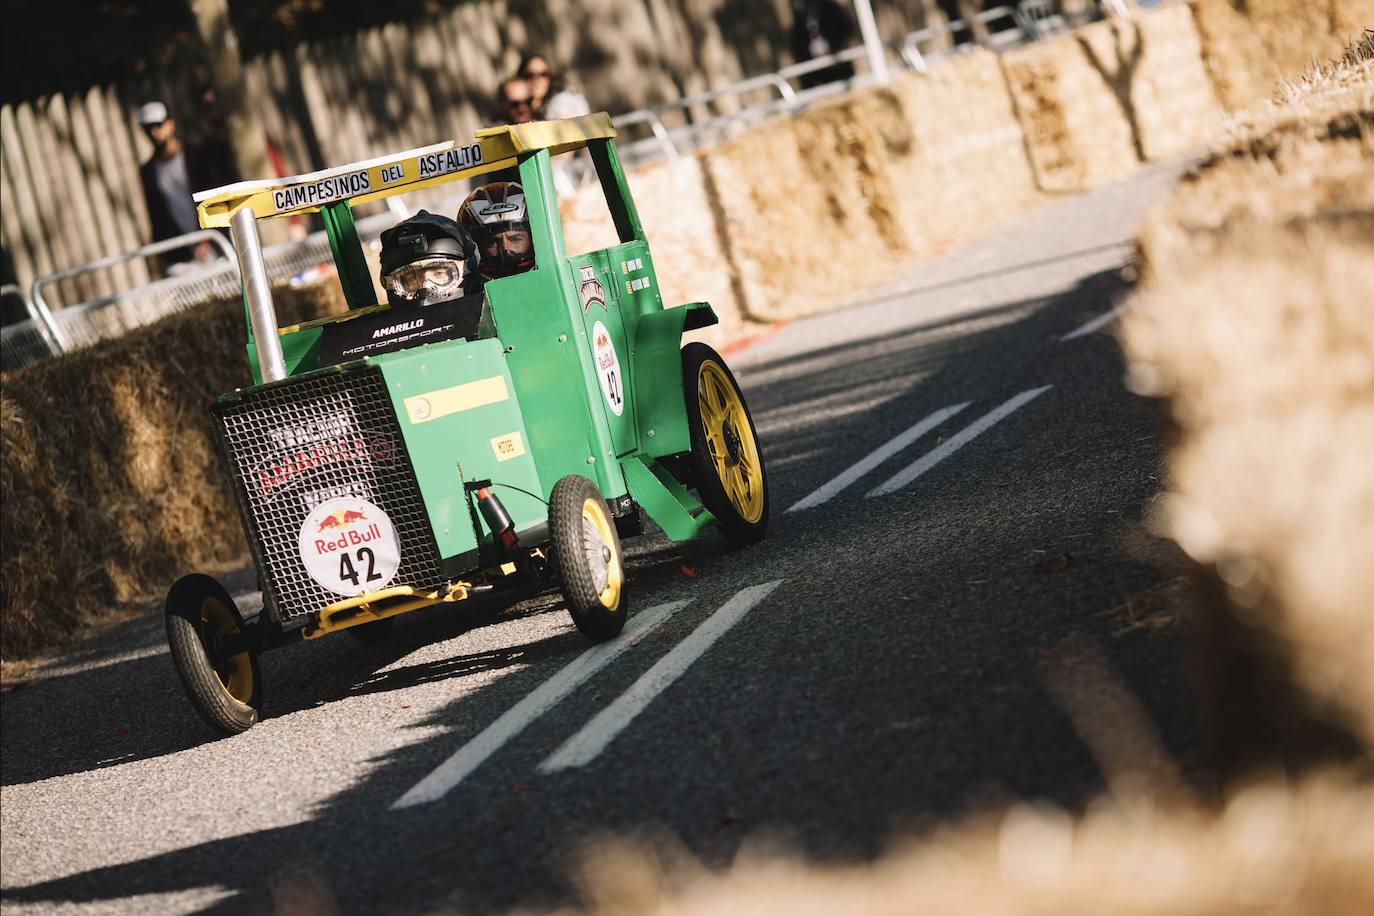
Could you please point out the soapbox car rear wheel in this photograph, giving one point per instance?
(213, 656)
(727, 464)
(587, 556)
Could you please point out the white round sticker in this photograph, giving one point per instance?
(608, 368)
(349, 546)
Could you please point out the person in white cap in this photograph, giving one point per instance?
(170, 176)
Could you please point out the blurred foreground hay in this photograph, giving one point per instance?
(1250, 46)
(108, 473)
(1302, 850)
(1256, 324)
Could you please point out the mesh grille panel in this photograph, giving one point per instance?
(293, 446)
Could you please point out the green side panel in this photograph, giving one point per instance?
(469, 435)
(348, 255)
(665, 500)
(657, 377)
(538, 316)
(300, 349)
(610, 330)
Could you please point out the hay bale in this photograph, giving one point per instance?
(1177, 110)
(1250, 48)
(109, 477)
(1097, 103)
(1078, 130)
(966, 169)
(803, 205)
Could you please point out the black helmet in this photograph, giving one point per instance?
(428, 258)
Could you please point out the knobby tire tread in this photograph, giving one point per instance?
(579, 585)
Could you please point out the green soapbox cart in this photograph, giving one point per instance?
(387, 460)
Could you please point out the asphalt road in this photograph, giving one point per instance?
(924, 636)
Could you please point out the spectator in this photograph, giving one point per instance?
(514, 102)
(553, 97)
(170, 176)
(820, 28)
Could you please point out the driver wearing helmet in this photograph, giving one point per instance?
(495, 215)
(428, 259)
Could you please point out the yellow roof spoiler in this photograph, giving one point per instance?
(374, 179)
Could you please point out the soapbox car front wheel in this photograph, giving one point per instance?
(727, 463)
(587, 557)
(213, 657)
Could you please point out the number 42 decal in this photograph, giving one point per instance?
(348, 573)
(613, 388)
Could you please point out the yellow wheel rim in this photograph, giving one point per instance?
(235, 673)
(603, 556)
(730, 440)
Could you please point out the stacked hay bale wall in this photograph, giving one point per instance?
(109, 479)
(803, 212)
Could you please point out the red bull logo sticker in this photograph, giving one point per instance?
(608, 368)
(349, 546)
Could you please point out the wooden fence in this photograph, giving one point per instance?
(69, 187)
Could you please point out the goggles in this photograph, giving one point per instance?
(427, 280)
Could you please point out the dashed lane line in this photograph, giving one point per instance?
(1096, 323)
(547, 695)
(957, 441)
(885, 451)
(583, 747)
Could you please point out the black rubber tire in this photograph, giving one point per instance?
(738, 529)
(191, 604)
(374, 633)
(594, 611)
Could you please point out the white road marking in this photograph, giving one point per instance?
(583, 747)
(957, 441)
(877, 457)
(1096, 323)
(514, 720)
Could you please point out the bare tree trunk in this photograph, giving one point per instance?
(247, 136)
(246, 133)
(932, 16)
(1078, 12)
(967, 10)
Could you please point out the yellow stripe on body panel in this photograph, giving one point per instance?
(432, 405)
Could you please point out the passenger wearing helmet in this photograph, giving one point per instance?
(495, 214)
(428, 259)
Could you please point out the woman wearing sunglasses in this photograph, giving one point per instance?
(553, 97)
